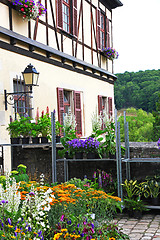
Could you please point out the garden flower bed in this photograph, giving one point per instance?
(32, 210)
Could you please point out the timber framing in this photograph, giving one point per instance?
(110, 4)
(94, 71)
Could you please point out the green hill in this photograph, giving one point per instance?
(137, 89)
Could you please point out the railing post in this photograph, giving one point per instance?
(54, 171)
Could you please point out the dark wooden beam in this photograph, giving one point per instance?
(31, 48)
(39, 57)
(55, 52)
(54, 24)
(10, 18)
(78, 28)
(46, 17)
(13, 41)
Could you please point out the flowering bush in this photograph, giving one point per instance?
(34, 211)
(29, 8)
(79, 145)
(110, 53)
(104, 181)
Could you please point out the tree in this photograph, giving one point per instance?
(140, 125)
(156, 123)
(137, 89)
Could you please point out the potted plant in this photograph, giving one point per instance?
(44, 124)
(91, 146)
(35, 130)
(132, 201)
(135, 207)
(58, 131)
(25, 129)
(110, 53)
(14, 131)
(76, 147)
(153, 189)
(29, 8)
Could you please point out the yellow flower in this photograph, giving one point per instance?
(13, 237)
(57, 236)
(112, 238)
(10, 226)
(64, 230)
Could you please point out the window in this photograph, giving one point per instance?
(67, 16)
(105, 104)
(103, 30)
(68, 99)
(21, 102)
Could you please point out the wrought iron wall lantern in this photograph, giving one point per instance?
(30, 76)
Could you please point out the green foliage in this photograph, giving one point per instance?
(137, 89)
(44, 126)
(25, 126)
(68, 134)
(2, 180)
(20, 174)
(14, 129)
(59, 128)
(140, 125)
(106, 137)
(156, 123)
(131, 188)
(152, 186)
(134, 205)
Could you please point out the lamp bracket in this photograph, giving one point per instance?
(9, 97)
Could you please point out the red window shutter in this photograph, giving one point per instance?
(110, 109)
(98, 20)
(59, 14)
(100, 107)
(78, 113)
(60, 101)
(108, 32)
(75, 17)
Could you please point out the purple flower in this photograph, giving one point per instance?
(32, 193)
(9, 221)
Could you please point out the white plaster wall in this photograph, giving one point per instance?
(51, 77)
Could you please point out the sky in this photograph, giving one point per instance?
(136, 35)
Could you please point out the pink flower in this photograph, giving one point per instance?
(62, 217)
(25, 5)
(22, 9)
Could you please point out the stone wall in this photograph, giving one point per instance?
(39, 160)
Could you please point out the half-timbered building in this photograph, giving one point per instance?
(64, 45)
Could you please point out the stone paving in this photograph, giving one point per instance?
(146, 228)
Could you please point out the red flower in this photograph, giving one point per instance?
(47, 110)
(22, 9)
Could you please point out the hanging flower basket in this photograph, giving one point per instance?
(29, 8)
(110, 53)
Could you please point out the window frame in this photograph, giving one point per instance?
(102, 31)
(75, 106)
(68, 5)
(21, 102)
